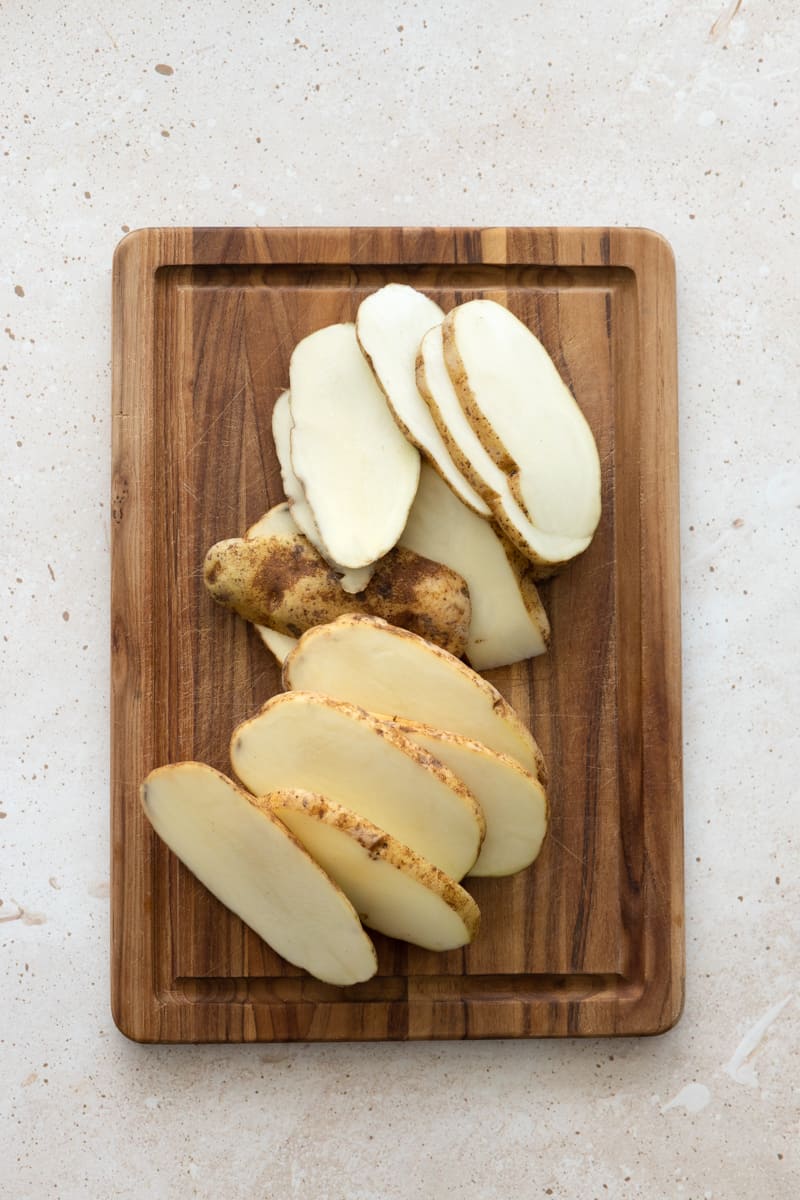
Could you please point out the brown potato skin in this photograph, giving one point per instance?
(282, 582)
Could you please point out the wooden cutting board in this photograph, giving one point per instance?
(587, 941)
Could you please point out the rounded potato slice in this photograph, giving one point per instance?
(252, 864)
(314, 742)
(513, 800)
(390, 671)
(389, 325)
(358, 471)
(393, 889)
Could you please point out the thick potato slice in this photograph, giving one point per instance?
(249, 861)
(483, 473)
(508, 621)
(280, 581)
(358, 471)
(350, 581)
(302, 740)
(393, 672)
(513, 800)
(529, 423)
(280, 645)
(389, 326)
(394, 890)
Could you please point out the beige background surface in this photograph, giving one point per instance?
(679, 116)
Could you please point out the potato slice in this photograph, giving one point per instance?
(252, 864)
(389, 326)
(513, 800)
(282, 582)
(358, 471)
(508, 622)
(476, 465)
(394, 890)
(350, 581)
(302, 740)
(277, 519)
(393, 672)
(528, 421)
(279, 644)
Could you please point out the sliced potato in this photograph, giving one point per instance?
(249, 861)
(358, 471)
(529, 423)
(277, 519)
(508, 621)
(350, 581)
(395, 673)
(280, 581)
(513, 800)
(279, 644)
(389, 326)
(483, 473)
(303, 740)
(393, 889)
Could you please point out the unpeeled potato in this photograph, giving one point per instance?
(281, 582)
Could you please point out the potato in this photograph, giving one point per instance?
(280, 581)
(247, 858)
(392, 888)
(390, 671)
(529, 424)
(309, 741)
(389, 326)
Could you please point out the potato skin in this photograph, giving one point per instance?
(282, 582)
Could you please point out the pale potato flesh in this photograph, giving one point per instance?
(282, 582)
(279, 644)
(389, 326)
(302, 740)
(508, 622)
(525, 417)
(358, 471)
(394, 890)
(253, 865)
(394, 673)
(436, 387)
(513, 800)
(350, 580)
(277, 519)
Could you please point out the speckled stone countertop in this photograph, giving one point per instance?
(682, 117)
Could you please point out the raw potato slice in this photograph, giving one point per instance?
(513, 801)
(508, 623)
(351, 581)
(483, 473)
(393, 672)
(282, 582)
(389, 326)
(279, 644)
(302, 740)
(393, 889)
(278, 519)
(248, 860)
(358, 472)
(527, 420)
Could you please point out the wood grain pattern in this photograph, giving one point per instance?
(588, 941)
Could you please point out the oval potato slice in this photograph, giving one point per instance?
(527, 420)
(389, 326)
(508, 622)
(544, 551)
(304, 740)
(358, 471)
(252, 864)
(393, 889)
(350, 581)
(513, 800)
(393, 672)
